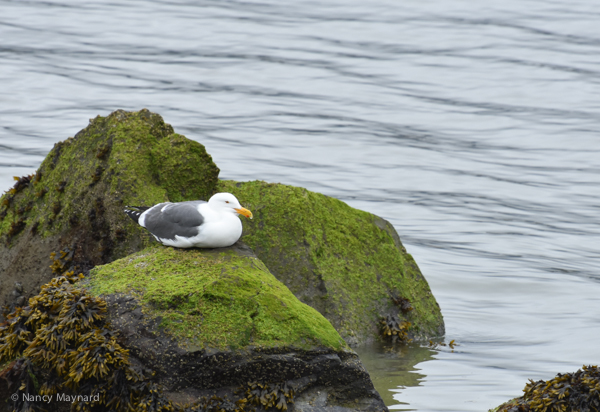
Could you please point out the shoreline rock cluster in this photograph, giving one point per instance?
(576, 391)
(266, 323)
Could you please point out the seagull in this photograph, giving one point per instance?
(194, 223)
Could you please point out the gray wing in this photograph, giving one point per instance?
(166, 220)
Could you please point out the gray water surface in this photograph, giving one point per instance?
(471, 126)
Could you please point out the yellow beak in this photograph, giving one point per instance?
(245, 212)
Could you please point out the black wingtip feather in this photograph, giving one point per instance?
(134, 212)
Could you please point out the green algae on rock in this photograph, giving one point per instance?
(215, 298)
(69, 342)
(215, 322)
(348, 264)
(76, 197)
(126, 157)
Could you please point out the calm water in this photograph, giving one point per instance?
(471, 126)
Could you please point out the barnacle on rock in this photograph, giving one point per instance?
(41, 192)
(392, 328)
(403, 303)
(56, 206)
(60, 187)
(102, 151)
(73, 219)
(97, 173)
(24, 209)
(99, 203)
(120, 234)
(16, 228)
(269, 395)
(217, 404)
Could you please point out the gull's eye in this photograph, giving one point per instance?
(227, 201)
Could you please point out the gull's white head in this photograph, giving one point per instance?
(227, 201)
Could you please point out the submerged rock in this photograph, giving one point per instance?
(75, 199)
(348, 264)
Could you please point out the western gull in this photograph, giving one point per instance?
(195, 223)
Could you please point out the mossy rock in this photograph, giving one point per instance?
(348, 264)
(75, 199)
(208, 322)
(215, 299)
(106, 350)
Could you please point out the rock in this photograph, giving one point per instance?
(163, 326)
(208, 322)
(348, 264)
(74, 201)
(576, 391)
